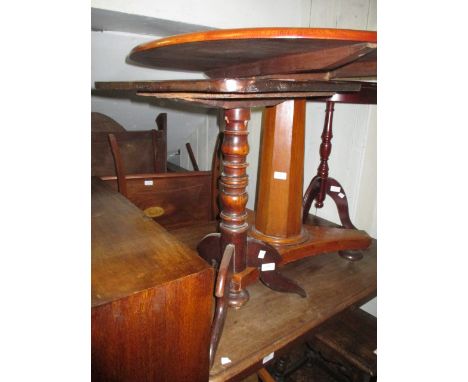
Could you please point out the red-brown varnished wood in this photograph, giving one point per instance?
(182, 199)
(323, 237)
(233, 192)
(230, 51)
(279, 200)
(323, 59)
(151, 297)
(325, 150)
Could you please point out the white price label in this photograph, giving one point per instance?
(280, 175)
(268, 267)
(225, 360)
(269, 357)
(335, 189)
(148, 182)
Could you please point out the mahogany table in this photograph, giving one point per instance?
(278, 68)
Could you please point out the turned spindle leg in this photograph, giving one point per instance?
(322, 185)
(325, 150)
(228, 249)
(233, 184)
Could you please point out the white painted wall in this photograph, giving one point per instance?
(353, 157)
(108, 53)
(216, 13)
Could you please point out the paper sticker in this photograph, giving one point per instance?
(335, 189)
(148, 182)
(269, 357)
(280, 175)
(268, 267)
(225, 360)
(261, 254)
(341, 195)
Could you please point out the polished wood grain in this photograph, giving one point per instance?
(323, 59)
(184, 198)
(151, 297)
(279, 202)
(233, 185)
(229, 52)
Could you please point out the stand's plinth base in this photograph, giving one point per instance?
(320, 240)
(302, 237)
(324, 240)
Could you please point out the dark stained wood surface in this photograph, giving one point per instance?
(246, 86)
(349, 339)
(141, 152)
(182, 198)
(256, 51)
(103, 123)
(131, 253)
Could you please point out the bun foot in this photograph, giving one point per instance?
(351, 255)
(236, 299)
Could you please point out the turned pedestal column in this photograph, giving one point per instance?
(233, 194)
(278, 217)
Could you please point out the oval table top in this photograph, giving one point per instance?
(262, 51)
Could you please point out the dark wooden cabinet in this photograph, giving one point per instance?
(151, 297)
